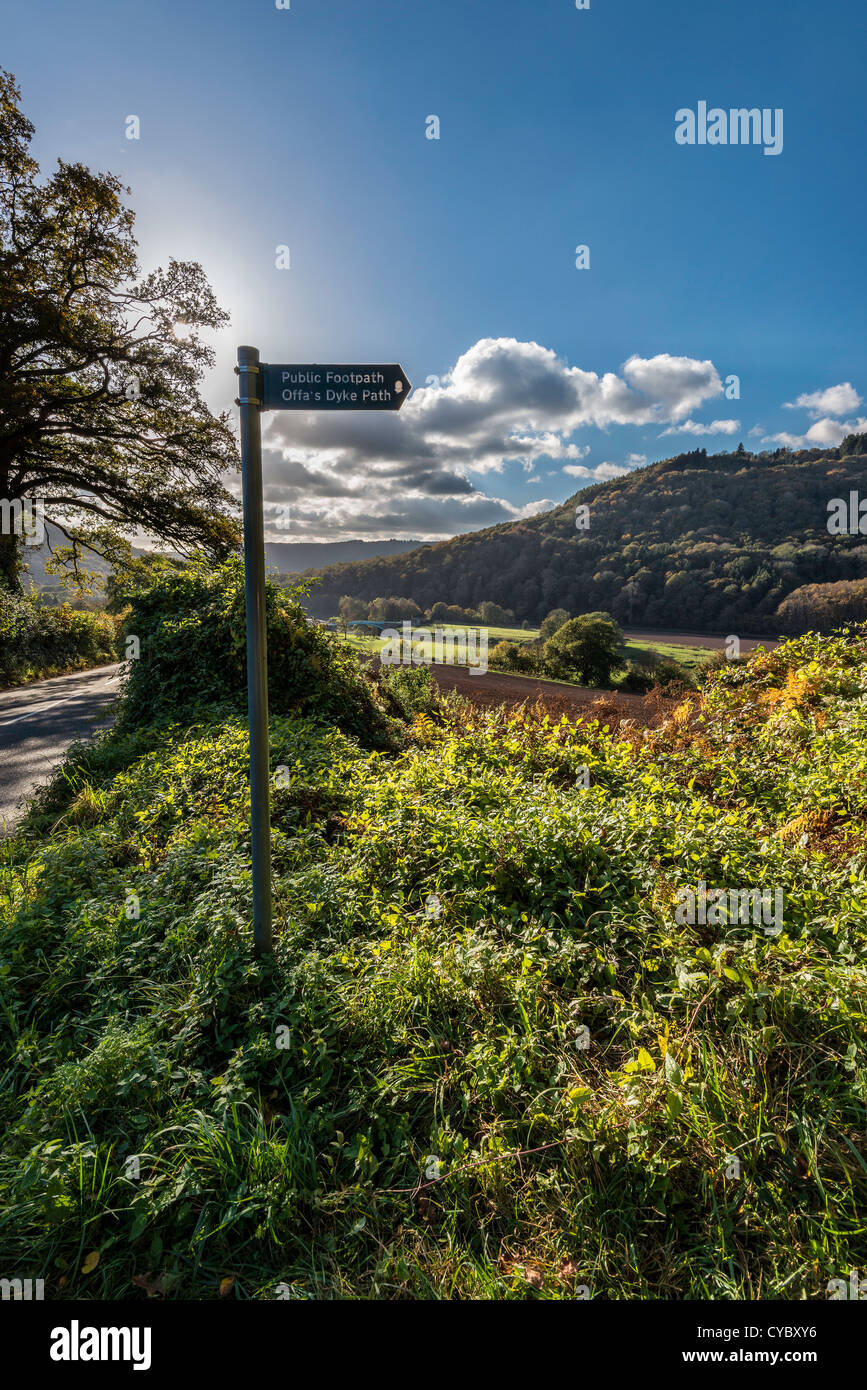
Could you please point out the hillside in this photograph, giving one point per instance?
(293, 557)
(695, 540)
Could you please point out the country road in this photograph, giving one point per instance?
(38, 723)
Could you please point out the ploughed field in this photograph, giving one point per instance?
(493, 688)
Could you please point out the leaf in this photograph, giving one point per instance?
(154, 1288)
(673, 1071)
(226, 1285)
(90, 1262)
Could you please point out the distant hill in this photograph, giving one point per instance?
(293, 557)
(48, 585)
(692, 541)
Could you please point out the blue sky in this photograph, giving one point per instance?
(306, 128)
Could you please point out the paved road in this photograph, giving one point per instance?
(38, 723)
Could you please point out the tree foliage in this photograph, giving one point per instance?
(591, 646)
(101, 418)
(714, 542)
(823, 607)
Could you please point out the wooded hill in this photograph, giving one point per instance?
(692, 541)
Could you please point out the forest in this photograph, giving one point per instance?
(710, 541)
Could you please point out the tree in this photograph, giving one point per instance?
(591, 645)
(102, 427)
(555, 619)
(137, 573)
(853, 444)
(350, 610)
(823, 607)
(492, 615)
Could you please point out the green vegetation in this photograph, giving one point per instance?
(724, 538)
(37, 641)
(401, 1102)
(590, 650)
(101, 416)
(520, 651)
(590, 646)
(191, 626)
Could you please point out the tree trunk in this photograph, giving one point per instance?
(10, 563)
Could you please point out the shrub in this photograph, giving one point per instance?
(408, 690)
(667, 673)
(192, 628)
(721, 661)
(637, 679)
(529, 659)
(504, 656)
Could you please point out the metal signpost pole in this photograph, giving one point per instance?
(250, 402)
(284, 386)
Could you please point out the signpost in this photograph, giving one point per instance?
(266, 386)
(341, 387)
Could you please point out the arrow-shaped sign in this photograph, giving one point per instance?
(342, 386)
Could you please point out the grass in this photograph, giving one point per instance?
(690, 658)
(401, 1104)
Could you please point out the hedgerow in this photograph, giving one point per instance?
(37, 641)
(191, 629)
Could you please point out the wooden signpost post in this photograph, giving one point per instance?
(293, 386)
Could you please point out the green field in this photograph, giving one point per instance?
(691, 658)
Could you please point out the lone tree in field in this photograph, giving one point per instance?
(591, 645)
(101, 421)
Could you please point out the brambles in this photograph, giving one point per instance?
(408, 690)
(191, 626)
(489, 1046)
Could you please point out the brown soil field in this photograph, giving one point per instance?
(501, 688)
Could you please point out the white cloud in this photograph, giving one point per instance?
(603, 471)
(696, 427)
(825, 433)
(504, 402)
(834, 400)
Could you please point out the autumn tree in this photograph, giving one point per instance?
(102, 427)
